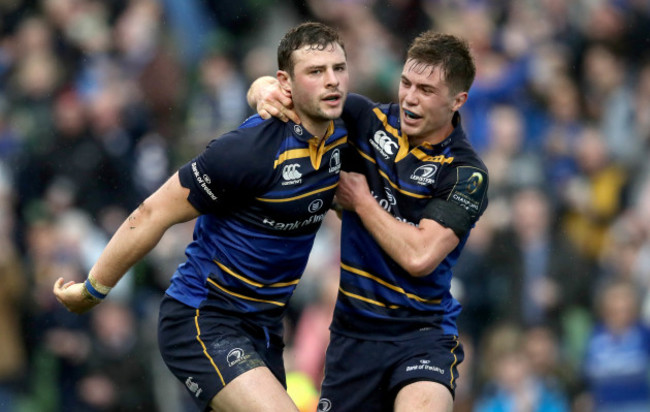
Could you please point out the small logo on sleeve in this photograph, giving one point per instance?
(469, 191)
(475, 182)
(203, 181)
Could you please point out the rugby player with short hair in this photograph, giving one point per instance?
(413, 189)
(260, 193)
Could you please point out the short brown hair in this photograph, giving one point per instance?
(317, 35)
(451, 53)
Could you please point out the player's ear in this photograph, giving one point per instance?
(459, 101)
(285, 81)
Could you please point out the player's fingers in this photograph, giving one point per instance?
(292, 115)
(276, 112)
(57, 285)
(284, 100)
(264, 114)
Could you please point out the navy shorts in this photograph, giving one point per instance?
(206, 350)
(365, 375)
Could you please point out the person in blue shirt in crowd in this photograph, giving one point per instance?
(616, 365)
(260, 193)
(412, 189)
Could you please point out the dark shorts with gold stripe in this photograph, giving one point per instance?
(366, 375)
(206, 350)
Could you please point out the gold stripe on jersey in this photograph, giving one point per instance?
(388, 285)
(399, 189)
(252, 282)
(237, 295)
(291, 154)
(364, 155)
(315, 150)
(205, 350)
(371, 301)
(317, 147)
(385, 176)
(442, 159)
(288, 199)
(403, 139)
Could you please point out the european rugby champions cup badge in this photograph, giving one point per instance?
(470, 188)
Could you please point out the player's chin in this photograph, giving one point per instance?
(332, 113)
(409, 130)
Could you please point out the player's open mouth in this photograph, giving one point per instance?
(333, 98)
(410, 115)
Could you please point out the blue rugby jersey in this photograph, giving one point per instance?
(377, 298)
(263, 191)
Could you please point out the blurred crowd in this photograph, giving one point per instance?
(100, 101)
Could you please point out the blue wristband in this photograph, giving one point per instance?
(94, 292)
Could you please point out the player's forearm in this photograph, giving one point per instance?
(136, 237)
(142, 230)
(400, 240)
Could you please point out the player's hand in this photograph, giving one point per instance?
(74, 296)
(352, 191)
(268, 99)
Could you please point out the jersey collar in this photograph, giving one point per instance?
(300, 133)
(458, 131)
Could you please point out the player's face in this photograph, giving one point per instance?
(319, 84)
(426, 103)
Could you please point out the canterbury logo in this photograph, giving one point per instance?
(290, 172)
(384, 143)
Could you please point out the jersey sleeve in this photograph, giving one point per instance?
(232, 167)
(463, 199)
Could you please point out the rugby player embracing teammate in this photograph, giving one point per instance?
(260, 193)
(413, 189)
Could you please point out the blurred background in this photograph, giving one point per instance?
(100, 101)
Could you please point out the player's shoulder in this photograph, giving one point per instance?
(361, 111)
(255, 124)
(358, 102)
(253, 129)
(462, 150)
(254, 143)
(465, 155)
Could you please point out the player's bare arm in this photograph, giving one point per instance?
(417, 249)
(136, 237)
